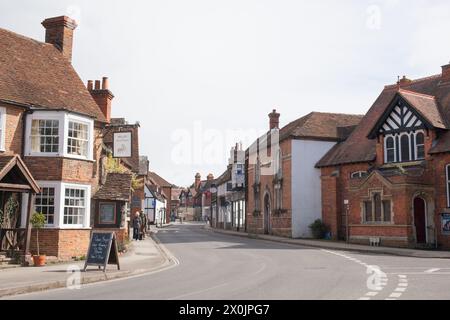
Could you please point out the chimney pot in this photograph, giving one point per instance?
(59, 32)
(90, 85)
(97, 85)
(105, 83)
(404, 81)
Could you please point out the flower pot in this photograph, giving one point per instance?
(39, 261)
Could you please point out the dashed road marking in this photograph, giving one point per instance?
(401, 287)
(432, 270)
(383, 280)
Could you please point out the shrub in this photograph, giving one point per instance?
(318, 229)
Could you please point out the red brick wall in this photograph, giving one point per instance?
(280, 223)
(60, 243)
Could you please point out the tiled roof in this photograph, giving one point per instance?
(37, 74)
(359, 148)
(158, 180)
(117, 187)
(318, 125)
(426, 105)
(7, 163)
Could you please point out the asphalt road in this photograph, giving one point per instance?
(216, 266)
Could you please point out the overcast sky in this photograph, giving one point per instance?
(197, 73)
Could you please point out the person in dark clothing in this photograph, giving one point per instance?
(136, 226)
(143, 226)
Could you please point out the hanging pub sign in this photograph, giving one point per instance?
(122, 144)
(102, 250)
(446, 223)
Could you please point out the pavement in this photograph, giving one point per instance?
(218, 266)
(143, 257)
(336, 245)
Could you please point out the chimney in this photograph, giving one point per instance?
(404, 82)
(274, 120)
(210, 177)
(102, 96)
(59, 32)
(445, 73)
(198, 179)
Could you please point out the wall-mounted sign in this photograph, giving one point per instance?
(107, 214)
(446, 223)
(122, 144)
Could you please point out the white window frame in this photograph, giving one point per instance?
(90, 145)
(87, 195)
(415, 144)
(55, 197)
(3, 115)
(64, 118)
(385, 148)
(60, 190)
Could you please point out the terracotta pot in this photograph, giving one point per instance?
(39, 261)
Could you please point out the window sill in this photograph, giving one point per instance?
(56, 155)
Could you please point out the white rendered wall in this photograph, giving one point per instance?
(306, 186)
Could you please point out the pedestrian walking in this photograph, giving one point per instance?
(143, 226)
(136, 226)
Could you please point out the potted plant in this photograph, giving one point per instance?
(38, 222)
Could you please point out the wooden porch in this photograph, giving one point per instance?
(15, 234)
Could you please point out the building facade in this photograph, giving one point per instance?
(283, 189)
(389, 181)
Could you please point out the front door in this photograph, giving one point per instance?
(266, 214)
(420, 221)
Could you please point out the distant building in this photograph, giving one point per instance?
(283, 186)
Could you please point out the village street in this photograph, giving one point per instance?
(216, 266)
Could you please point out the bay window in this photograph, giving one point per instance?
(57, 133)
(64, 205)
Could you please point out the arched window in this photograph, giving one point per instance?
(390, 149)
(420, 146)
(405, 150)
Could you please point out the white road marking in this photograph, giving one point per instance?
(364, 298)
(432, 270)
(400, 289)
(395, 295)
(372, 294)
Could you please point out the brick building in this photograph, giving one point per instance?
(166, 189)
(53, 126)
(389, 182)
(282, 186)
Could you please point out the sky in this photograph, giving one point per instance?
(201, 75)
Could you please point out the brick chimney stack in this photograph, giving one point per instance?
(274, 120)
(198, 180)
(404, 82)
(445, 74)
(102, 96)
(59, 32)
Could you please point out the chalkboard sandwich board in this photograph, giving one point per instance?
(102, 250)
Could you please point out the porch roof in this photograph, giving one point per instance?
(14, 175)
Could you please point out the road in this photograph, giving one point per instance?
(216, 266)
